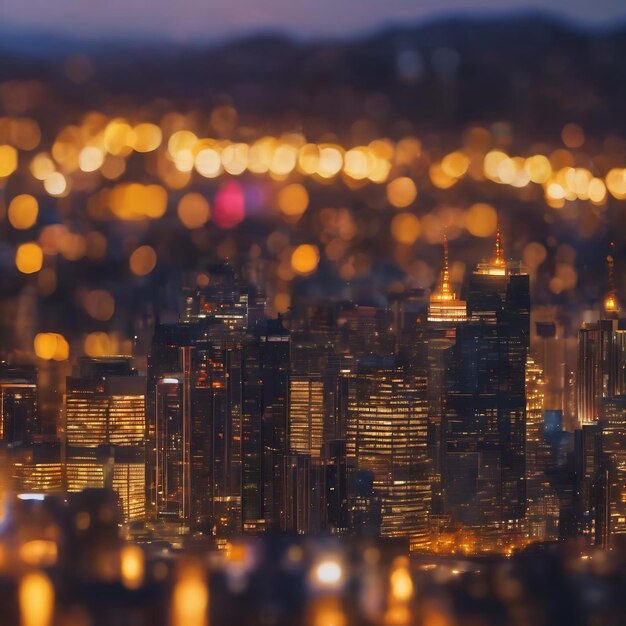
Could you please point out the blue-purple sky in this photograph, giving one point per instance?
(182, 20)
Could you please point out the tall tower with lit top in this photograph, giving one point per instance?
(444, 306)
(601, 369)
(445, 312)
(484, 421)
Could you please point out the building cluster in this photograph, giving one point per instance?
(433, 419)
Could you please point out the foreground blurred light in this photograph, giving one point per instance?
(90, 159)
(8, 160)
(229, 205)
(100, 304)
(38, 553)
(328, 612)
(405, 228)
(455, 164)
(55, 184)
(134, 201)
(190, 598)
(481, 220)
(492, 163)
(28, 258)
(208, 163)
(358, 163)
(330, 162)
(119, 137)
(97, 344)
(23, 211)
(439, 178)
(305, 258)
(143, 260)
(401, 192)
(181, 141)
(41, 166)
(193, 210)
(132, 566)
(49, 346)
(401, 584)
(616, 183)
(36, 600)
(284, 160)
(293, 200)
(147, 137)
(538, 168)
(328, 573)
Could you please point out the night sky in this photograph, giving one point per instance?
(183, 20)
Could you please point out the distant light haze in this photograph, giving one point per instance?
(205, 20)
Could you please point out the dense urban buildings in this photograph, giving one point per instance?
(433, 419)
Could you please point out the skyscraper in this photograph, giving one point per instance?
(613, 437)
(445, 313)
(485, 402)
(386, 439)
(105, 408)
(601, 370)
(19, 422)
(265, 424)
(194, 387)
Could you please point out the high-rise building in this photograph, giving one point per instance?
(265, 424)
(445, 312)
(194, 426)
(613, 429)
(589, 498)
(483, 447)
(105, 415)
(386, 439)
(542, 505)
(19, 423)
(601, 370)
(306, 414)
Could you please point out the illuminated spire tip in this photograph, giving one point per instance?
(611, 305)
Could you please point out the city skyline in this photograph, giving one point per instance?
(312, 314)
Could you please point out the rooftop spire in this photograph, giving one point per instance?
(499, 252)
(445, 290)
(445, 279)
(611, 305)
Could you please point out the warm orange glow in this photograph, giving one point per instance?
(401, 192)
(143, 260)
(8, 160)
(293, 200)
(100, 304)
(194, 210)
(148, 137)
(98, 344)
(36, 600)
(90, 159)
(133, 201)
(55, 184)
(481, 220)
(29, 258)
(455, 164)
(51, 346)
(401, 584)
(132, 566)
(305, 258)
(23, 211)
(38, 552)
(405, 228)
(190, 598)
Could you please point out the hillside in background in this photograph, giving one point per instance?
(532, 71)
